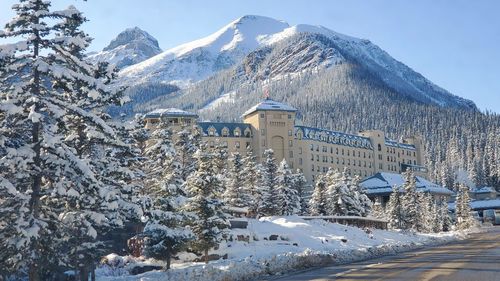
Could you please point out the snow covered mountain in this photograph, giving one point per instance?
(201, 58)
(131, 46)
(264, 48)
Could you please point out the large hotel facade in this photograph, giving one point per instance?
(272, 125)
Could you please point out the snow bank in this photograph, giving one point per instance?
(275, 245)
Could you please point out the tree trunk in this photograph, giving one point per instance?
(169, 256)
(206, 255)
(33, 273)
(34, 203)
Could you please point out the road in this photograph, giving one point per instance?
(476, 258)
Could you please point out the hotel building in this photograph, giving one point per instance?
(272, 125)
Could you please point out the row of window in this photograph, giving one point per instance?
(342, 151)
(339, 161)
(350, 172)
(403, 152)
(225, 132)
(276, 116)
(237, 144)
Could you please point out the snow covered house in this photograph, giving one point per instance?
(380, 186)
(483, 193)
(272, 124)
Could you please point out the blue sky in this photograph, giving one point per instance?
(454, 43)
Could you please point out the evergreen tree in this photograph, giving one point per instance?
(299, 184)
(336, 186)
(318, 203)
(288, 199)
(186, 144)
(463, 211)
(447, 222)
(269, 204)
(210, 222)
(378, 210)
(165, 233)
(410, 201)
(364, 204)
(424, 221)
(60, 186)
(395, 209)
(250, 182)
(236, 195)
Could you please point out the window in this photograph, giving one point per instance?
(414, 155)
(348, 153)
(237, 144)
(289, 116)
(262, 115)
(325, 169)
(317, 147)
(312, 167)
(263, 142)
(290, 132)
(317, 157)
(349, 162)
(290, 153)
(225, 132)
(331, 150)
(380, 157)
(324, 149)
(379, 147)
(317, 168)
(290, 143)
(237, 133)
(342, 151)
(248, 145)
(262, 132)
(300, 161)
(380, 166)
(300, 150)
(312, 147)
(312, 157)
(331, 159)
(211, 132)
(364, 154)
(212, 145)
(224, 144)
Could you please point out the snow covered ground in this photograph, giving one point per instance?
(283, 244)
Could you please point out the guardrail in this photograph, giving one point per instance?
(352, 220)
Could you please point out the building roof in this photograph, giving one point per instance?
(334, 137)
(169, 112)
(219, 126)
(394, 143)
(269, 104)
(383, 183)
(484, 189)
(480, 204)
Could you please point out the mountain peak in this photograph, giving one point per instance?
(130, 35)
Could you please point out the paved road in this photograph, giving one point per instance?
(476, 258)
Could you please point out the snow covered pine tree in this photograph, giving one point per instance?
(165, 233)
(210, 222)
(269, 189)
(55, 177)
(289, 201)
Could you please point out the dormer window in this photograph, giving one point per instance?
(237, 132)
(211, 132)
(248, 133)
(225, 132)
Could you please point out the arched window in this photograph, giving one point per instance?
(379, 147)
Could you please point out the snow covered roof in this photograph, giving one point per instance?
(383, 183)
(334, 137)
(269, 104)
(219, 126)
(480, 204)
(394, 143)
(485, 189)
(169, 112)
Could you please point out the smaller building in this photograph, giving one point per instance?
(483, 193)
(380, 186)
